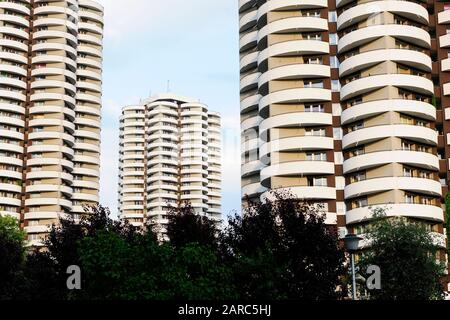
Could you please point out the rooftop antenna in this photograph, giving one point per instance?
(168, 86)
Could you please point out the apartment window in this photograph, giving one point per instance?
(409, 198)
(315, 132)
(357, 152)
(340, 183)
(334, 62)
(338, 158)
(314, 60)
(337, 133)
(406, 146)
(337, 109)
(313, 36)
(333, 39)
(317, 182)
(316, 156)
(34, 237)
(332, 16)
(360, 203)
(408, 172)
(313, 84)
(314, 108)
(340, 208)
(335, 86)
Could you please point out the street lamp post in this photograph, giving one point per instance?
(351, 243)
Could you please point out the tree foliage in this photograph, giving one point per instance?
(12, 256)
(407, 256)
(282, 249)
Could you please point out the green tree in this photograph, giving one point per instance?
(185, 227)
(282, 249)
(407, 256)
(447, 212)
(12, 257)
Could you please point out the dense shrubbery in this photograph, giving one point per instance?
(279, 250)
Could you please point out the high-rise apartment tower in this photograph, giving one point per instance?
(347, 103)
(50, 102)
(170, 154)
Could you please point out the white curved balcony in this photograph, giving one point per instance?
(294, 24)
(52, 34)
(52, 96)
(37, 229)
(252, 190)
(295, 71)
(51, 46)
(10, 202)
(12, 161)
(90, 50)
(248, 61)
(11, 147)
(52, 123)
(444, 41)
(248, 20)
(95, 40)
(377, 185)
(35, 175)
(245, 4)
(370, 134)
(409, 10)
(19, 7)
(14, 57)
(305, 143)
(295, 119)
(296, 168)
(298, 95)
(248, 41)
(368, 34)
(361, 61)
(90, 27)
(52, 135)
(89, 184)
(97, 76)
(48, 188)
(249, 81)
(20, 71)
(14, 95)
(14, 122)
(250, 102)
(294, 47)
(305, 193)
(416, 211)
(14, 32)
(250, 123)
(86, 197)
(90, 63)
(50, 162)
(41, 215)
(364, 85)
(444, 17)
(10, 188)
(95, 16)
(370, 109)
(290, 4)
(380, 158)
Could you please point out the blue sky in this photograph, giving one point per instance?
(194, 44)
